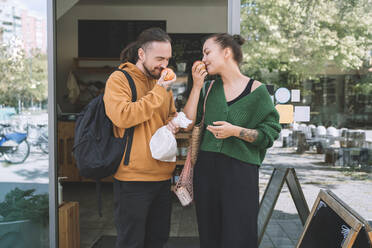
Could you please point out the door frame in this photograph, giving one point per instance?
(233, 21)
(52, 131)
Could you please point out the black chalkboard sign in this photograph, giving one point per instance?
(278, 177)
(327, 228)
(107, 38)
(330, 224)
(364, 239)
(269, 199)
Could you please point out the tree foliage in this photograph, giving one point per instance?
(22, 76)
(25, 205)
(292, 40)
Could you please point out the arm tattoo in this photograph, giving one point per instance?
(249, 135)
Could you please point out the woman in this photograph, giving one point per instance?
(241, 122)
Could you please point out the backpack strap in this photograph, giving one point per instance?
(131, 83)
(128, 140)
(129, 133)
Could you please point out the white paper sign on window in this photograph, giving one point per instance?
(302, 113)
(295, 94)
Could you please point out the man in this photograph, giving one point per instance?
(142, 195)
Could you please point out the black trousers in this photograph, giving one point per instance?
(226, 198)
(142, 213)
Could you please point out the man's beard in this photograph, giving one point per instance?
(152, 73)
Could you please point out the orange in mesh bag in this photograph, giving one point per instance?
(184, 186)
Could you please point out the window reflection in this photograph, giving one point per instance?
(325, 52)
(24, 177)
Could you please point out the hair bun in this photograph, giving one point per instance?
(238, 39)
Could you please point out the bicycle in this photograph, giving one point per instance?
(13, 145)
(38, 136)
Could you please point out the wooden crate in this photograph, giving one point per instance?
(66, 162)
(69, 227)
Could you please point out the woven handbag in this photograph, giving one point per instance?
(184, 186)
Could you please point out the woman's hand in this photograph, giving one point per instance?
(222, 129)
(198, 74)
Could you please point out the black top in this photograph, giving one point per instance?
(245, 92)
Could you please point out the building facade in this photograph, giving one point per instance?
(18, 22)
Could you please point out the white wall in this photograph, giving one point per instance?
(63, 6)
(180, 19)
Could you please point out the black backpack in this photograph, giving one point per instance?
(97, 151)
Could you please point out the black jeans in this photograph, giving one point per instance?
(142, 213)
(226, 199)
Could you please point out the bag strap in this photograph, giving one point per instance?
(131, 83)
(129, 133)
(205, 101)
(128, 140)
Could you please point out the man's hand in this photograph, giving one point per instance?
(173, 127)
(163, 83)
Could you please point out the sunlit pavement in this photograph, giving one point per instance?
(353, 187)
(31, 174)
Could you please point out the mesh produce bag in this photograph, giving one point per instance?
(184, 186)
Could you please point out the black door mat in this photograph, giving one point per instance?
(107, 241)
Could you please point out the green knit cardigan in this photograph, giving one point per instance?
(254, 111)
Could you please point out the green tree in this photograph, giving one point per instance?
(289, 41)
(23, 205)
(22, 77)
(37, 71)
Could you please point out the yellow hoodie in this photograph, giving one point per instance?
(153, 109)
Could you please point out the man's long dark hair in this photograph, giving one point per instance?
(130, 52)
